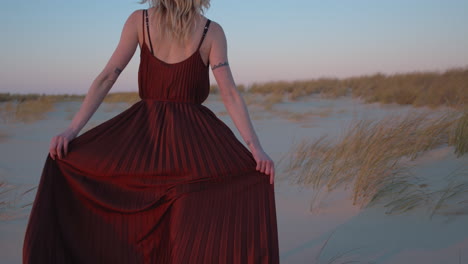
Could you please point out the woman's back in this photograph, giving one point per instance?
(184, 80)
(167, 48)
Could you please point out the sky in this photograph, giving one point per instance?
(54, 47)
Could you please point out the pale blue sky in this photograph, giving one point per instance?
(56, 46)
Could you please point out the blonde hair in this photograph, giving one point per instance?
(177, 16)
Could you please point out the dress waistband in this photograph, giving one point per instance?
(168, 101)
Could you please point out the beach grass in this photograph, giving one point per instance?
(432, 89)
(271, 99)
(328, 87)
(122, 97)
(16, 97)
(214, 88)
(250, 99)
(455, 193)
(342, 257)
(449, 199)
(11, 196)
(30, 107)
(373, 156)
(460, 138)
(419, 88)
(6, 202)
(27, 110)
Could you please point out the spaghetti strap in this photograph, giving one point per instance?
(207, 25)
(143, 26)
(147, 27)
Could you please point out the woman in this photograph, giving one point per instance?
(165, 181)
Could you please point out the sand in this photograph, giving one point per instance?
(363, 235)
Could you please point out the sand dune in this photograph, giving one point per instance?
(350, 233)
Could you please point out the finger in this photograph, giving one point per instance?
(267, 168)
(61, 152)
(272, 176)
(258, 166)
(53, 142)
(262, 166)
(59, 148)
(52, 153)
(65, 147)
(52, 147)
(62, 141)
(267, 171)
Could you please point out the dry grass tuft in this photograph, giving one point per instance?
(250, 99)
(341, 256)
(295, 89)
(241, 88)
(460, 139)
(271, 99)
(26, 111)
(7, 202)
(122, 97)
(370, 155)
(214, 89)
(4, 202)
(447, 200)
(443, 200)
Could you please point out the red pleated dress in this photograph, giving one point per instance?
(164, 181)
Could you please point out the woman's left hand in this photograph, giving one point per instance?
(264, 163)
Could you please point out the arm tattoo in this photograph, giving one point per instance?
(118, 71)
(221, 64)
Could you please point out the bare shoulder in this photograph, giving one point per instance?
(218, 42)
(134, 18)
(217, 31)
(135, 15)
(215, 26)
(134, 21)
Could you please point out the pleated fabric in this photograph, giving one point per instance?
(164, 181)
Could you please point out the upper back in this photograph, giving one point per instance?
(169, 50)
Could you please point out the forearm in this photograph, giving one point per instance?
(96, 94)
(238, 111)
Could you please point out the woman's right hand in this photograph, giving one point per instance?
(59, 143)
